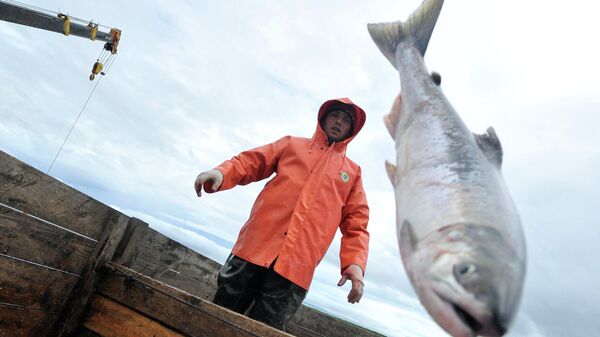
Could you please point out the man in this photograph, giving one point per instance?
(315, 191)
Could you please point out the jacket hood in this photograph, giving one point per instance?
(359, 114)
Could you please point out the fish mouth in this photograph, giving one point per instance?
(467, 318)
(455, 319)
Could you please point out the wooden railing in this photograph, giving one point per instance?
(51, 239)
(68, 263)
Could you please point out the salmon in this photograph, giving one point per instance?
(460, 236)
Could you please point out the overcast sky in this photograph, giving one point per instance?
(196, 82)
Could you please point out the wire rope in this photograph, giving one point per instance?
(104, 57)
(79, 115)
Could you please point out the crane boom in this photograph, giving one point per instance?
(60, 24)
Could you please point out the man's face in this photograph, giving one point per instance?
(337, 125)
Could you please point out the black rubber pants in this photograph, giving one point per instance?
(241, 283)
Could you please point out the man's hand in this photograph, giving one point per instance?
(354, 274)
(214, 176)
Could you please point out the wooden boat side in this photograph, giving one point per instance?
(64, 257)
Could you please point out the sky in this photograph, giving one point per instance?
(196, 82)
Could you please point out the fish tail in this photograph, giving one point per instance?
(417, 28)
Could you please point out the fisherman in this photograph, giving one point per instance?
(316, 190)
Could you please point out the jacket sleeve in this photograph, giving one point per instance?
(252, 165)
(355, 237)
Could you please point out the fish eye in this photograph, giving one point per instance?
(436, 78)
(467, 268)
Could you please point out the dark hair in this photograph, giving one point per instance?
(342, 107)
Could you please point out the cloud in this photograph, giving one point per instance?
(196, 83)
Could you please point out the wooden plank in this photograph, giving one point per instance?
(110, 319)
(177, 309)
(134, 234)
(23, 322)
(37, 194)
(33, 286)
(33, 240)
(85, 332)
(170, 262)
(78, 301)
(310, 322)
(173, 255)
(194, 284)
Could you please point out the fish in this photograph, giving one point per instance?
(460, 235)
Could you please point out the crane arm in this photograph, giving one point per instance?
(60, 24)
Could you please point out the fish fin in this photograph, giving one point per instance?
(418, 27)
(391, 119)
(391, 172)
(490, 145)
(387, 36)
(422, 21)
(407, 239)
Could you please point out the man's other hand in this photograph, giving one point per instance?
(214, 176)
(354, 274)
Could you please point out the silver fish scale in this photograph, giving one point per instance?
(439, 164)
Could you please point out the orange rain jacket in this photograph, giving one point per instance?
(316, 190)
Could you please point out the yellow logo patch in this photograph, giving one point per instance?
(345, 176)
